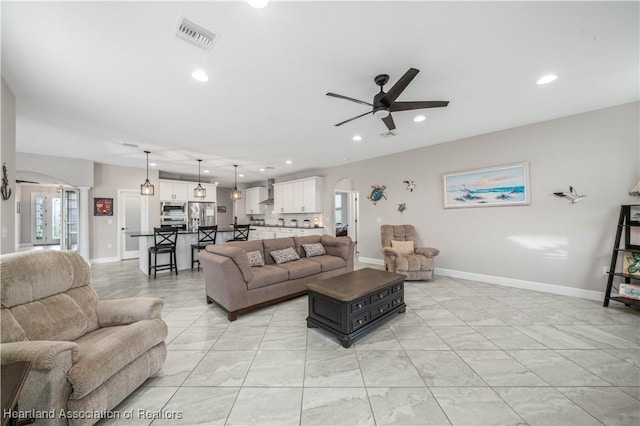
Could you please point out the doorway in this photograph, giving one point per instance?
(129, 220)
(46, 218)
(345, 211)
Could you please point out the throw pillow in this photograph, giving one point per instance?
(403, 247)
(312, 250)
(255, 258)
(284, 255)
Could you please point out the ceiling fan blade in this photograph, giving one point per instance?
(335, 95)
(351, 119)
(406, 106)
(388, 120)
(399, 87)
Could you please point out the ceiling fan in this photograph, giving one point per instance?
(385, 103)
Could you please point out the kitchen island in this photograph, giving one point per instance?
(183, 247)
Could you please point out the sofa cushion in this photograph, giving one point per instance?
(55, 317)
(11, 330)
(414, 262)
(272, 244)
(328, 262)
(104, 352)
(247, 246)
(267, 275)
(316, 249)
(337, 246)
(255, 258)
(403, 247)
(285, 255)
(306, 239)
(301, 268)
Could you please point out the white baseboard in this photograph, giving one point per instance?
(104, 260)
(371, 261)
(508, 282)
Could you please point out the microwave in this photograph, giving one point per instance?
(172, 208)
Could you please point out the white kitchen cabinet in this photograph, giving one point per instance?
(253, 197)
(265, 232)
(299, 196)
(173, 191)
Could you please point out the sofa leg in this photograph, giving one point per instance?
(232, 316)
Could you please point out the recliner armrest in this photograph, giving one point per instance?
(127, 311)
(388, 251)
(427, 251)
(41, 353)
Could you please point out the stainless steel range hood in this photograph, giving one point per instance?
(269, 200)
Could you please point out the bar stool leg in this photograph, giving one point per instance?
(175, 261)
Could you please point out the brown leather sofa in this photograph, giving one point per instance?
(236, 286)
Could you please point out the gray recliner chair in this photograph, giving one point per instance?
(401, 254)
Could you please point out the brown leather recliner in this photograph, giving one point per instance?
(414, 262)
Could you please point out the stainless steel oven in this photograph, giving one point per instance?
(173, 214)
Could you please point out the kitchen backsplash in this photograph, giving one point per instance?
(272, 218)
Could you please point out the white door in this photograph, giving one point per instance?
(129, 220)
(46, 218)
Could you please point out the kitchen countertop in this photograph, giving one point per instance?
(292, 227)
(180, 232)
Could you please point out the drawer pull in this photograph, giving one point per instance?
(359, 306)
(380, 296)
(360, 321)
(381, 310)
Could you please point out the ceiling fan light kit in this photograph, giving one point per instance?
(385, 103)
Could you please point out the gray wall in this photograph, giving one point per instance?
(55, 170)
(8, 157)
(108, 180)
(550, 241)
(224, 199)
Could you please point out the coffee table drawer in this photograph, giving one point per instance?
(396, 288)
(359, 305)
(358, 322)
(379, 295)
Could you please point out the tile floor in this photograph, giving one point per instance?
(464, 353)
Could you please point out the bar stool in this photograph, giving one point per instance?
(164, 241)
(240, 233)
(206, 236)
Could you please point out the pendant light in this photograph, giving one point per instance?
(199, 191)
(235, 194)
(146, 188)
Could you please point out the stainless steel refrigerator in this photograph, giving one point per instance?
(201, 214)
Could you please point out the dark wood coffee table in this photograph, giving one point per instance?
(351, 304)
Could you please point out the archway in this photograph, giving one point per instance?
(345, 210)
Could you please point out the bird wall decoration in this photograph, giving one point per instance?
(411, 185)
(571, 196)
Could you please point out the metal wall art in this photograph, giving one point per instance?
(5, 191)
(377, 193)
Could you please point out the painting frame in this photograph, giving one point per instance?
(497, 186)
(103, 206)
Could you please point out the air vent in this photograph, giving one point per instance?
(388, 134)
(196, 35)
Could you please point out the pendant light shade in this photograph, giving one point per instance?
(235, 194)
(146, 188)
(199, 191)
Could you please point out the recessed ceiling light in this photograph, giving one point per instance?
(258, 4)
(206, 171)
(216, 183)
(262, 170)
(546, 79)
(419, 118)
(240, 175)
(288, 161)
(152, 164)
(357, 138)
(200, 75)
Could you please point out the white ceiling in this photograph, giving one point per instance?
(90, 76)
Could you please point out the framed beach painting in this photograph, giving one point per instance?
(495, 186)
